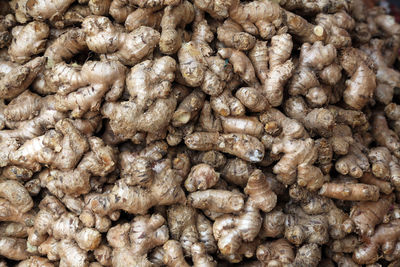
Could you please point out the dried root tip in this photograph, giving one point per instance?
(350, 191)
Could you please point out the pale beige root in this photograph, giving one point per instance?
(384, 238)
(174, 19)
(331, 74)
(231, 34)
(61, 148)
(132, 241)
(237, 171)
(259, 57)
(75, 14)
(150, 17)
(304, 82)
(366, 215)
(338, 26)
(310, 8)
(342, 138)
(281, 69)
(67, 251)
(164, 190)
(303, 228)
(207, 121)
(317, 120)
(13, 248)
(13, 229)
(275, 253)
(201, 177)
(14, 78)
(200, 257)
(35, 261)
(226, 104)
(188, 108)
(197, 66)
(350, 191)
(216, 8)
(100, 160)
(103, 255)
(216, 200)
(41, 11)
(28, 40)
(98, 77)
(297, 163)
(241, 65)
(361, 86)
(354, 163)
(383, 135)
(65, 47)
(392, 112)
(243, 124)
(304, 31)
(380, 158)
(99, 7)
(24, 107)
(231, 230)
(387, 78)
(260, 192)
(104, 38)
(252, 98)
(243, 146)
(149, 87)
(205, 231)
(384, 186)
(173, 256)
(273, 224)
(347, 244)
(53, 219)
(120, 9)
(257, 18)
(308, 255)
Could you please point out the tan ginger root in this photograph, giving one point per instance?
(237, 171)
(173, 256)
(361, 86)
(150, 17)
(252, 98)
(243, 124)
(82, 89)
(216, 200)
(347, 244)
(350, 191)
(132, 241)
(163, 190)
(197, 65)
(40, 10)
(129, 48)
(98, 161)
(281, 69)
(392, 112)
(317, 120)
(149, 87)
(13, 248)
(384, 166)
(6, 22)
(241, 145)
(384, 187)
(226, 104)
(67, 251)
(308, 255)
(385, 238)
(275, 253)
(201, 177)
(387, 78)
(205, 231)
(200, 257)
(355, 162)
(188, 108)
(35, 261)
(174, 19)
(355, 119)
(231, 34)
(303, 228)
(28, 40)
(366, 215)
(53, 219)
(61, 148)
(14, 78)
(383, 135)
(231, 230)
(304, 82)
(15, 203)
(259, 191)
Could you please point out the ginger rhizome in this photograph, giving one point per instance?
(204, 133)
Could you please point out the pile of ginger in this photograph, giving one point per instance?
(262, 133)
